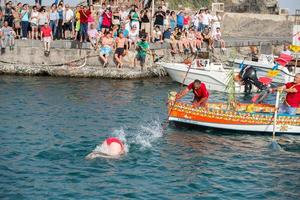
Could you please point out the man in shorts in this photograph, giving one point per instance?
(106, 48)
(120, 48)
(68, 27)
(47, 37)
(142, 49)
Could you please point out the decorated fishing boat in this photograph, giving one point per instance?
(245, 117)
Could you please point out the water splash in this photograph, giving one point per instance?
(148, 134)
(275, 146)
(143, 135)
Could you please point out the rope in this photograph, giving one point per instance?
(52, 65)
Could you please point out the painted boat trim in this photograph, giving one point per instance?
(240, 127)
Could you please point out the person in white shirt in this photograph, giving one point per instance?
(133, 37)
(217, 38)
(205, 19)
(68, 21)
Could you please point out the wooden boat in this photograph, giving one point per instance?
(246, 117)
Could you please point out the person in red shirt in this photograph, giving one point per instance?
(47, 37)
(292, 99)
(200, 93)
(84, 15)
(107, 19)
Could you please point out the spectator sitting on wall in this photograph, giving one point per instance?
(206, 34)
(167, 35)
(7, 36)
(93, 36)
(124, 30)
(217, 38)
(157, 35)
(133, 37)
(106, 47)
(47, 37)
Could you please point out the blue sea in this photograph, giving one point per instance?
(49, 124)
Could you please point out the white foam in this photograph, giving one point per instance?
(148, 134)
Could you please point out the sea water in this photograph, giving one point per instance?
(48, 125)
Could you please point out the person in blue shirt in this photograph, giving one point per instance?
(124, 30)
(180, 18)
(167, 35)
(25, 21)
(59, 32)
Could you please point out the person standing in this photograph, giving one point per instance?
(200, 93)
(17, 21)
(1, 16)
(106, 19)
(179, 19)
(206, 18)
(25, 21)
(172, 20)
(43, 18)
(53, 19)
(159, 18)
(142, 49)
(60, 12)
(292, 99)
(145, 19)
(34, 17)
(68, 18)
(135, 19)
(84, 15)
(8, 15)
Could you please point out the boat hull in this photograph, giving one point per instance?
(216, 115)
(239, 127)
(214, 80)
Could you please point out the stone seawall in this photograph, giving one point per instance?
(28, 58)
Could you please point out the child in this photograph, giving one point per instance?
(142, 49)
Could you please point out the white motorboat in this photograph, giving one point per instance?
(213, 75)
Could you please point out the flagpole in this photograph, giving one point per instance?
(152, 14)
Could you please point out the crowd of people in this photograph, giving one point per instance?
(109, 27)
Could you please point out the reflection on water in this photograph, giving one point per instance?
(48, 125)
